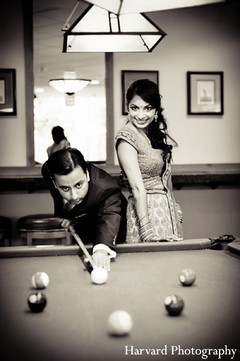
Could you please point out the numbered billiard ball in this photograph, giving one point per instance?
(99, 275)
(119, 323)
(37, 302)
(174, 305)
(40, 280)
(187, 277)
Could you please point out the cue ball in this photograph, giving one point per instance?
(40, 280)
(187, 277)
(99, 275)
(37, 302)
(174, 305)
(119, 323)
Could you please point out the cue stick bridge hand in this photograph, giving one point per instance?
(66, 224)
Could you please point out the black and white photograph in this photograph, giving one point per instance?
(119, 180)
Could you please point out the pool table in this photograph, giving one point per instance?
(73, 326)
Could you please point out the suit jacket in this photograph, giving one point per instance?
(101, 216)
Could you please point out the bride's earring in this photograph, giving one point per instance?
(156, 118)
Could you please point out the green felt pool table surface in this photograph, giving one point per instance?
(73, 326)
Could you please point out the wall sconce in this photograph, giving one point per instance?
(99, 30)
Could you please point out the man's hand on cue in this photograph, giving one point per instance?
(101, 259)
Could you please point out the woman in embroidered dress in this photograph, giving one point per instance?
(145, 156)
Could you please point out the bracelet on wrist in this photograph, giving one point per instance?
(140, 220)
(146, 232)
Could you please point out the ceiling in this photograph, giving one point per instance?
(49, 17)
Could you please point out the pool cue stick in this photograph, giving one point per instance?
(66, 224)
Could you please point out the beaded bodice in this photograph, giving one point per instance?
(150, 160)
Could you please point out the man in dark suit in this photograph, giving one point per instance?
(90, 198)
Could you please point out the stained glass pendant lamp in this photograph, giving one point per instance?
(140, 6)
(119, 25)
(99, 30)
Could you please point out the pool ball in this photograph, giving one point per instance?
(187, 277)
(37, 302)
(99, 275)
(119, 323)
(40, 280)
(174, 305)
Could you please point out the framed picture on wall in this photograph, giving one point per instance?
(128, 76)
(205, 93)
(8, 92)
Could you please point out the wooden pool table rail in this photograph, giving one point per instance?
(60, 250)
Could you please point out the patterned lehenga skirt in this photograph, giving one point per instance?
(163, 216)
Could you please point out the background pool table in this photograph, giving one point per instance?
(73, 326)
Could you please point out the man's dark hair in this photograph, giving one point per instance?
(64, 161)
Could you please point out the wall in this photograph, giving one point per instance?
(198, 39)
(207, 212)
(16, 205)
(13, 128)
